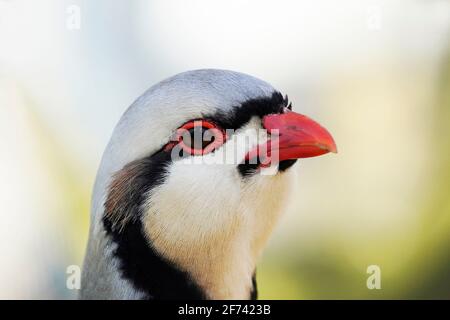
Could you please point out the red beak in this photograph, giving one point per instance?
(293, 136)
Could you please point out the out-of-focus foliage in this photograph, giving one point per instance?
(414, 265)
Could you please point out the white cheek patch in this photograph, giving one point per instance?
(265, 197)
(191, 219)
(191, 203)
(213, 224)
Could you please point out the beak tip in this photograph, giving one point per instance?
(333, 149)
(329, 146)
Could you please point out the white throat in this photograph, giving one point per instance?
(216, 238)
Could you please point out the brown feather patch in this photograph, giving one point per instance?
(121, 194)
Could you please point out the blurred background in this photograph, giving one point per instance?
(375, 73)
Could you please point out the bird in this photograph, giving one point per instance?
(173, 216)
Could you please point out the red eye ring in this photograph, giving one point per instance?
(218, 134)
(198, 123)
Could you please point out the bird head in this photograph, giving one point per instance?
(194, 179)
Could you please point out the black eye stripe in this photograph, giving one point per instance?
(240, 115)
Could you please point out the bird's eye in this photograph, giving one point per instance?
(199, 137)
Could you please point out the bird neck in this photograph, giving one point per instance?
(205, 276)
(222, 268)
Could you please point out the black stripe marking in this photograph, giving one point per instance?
(139, 263)
(241, 115)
